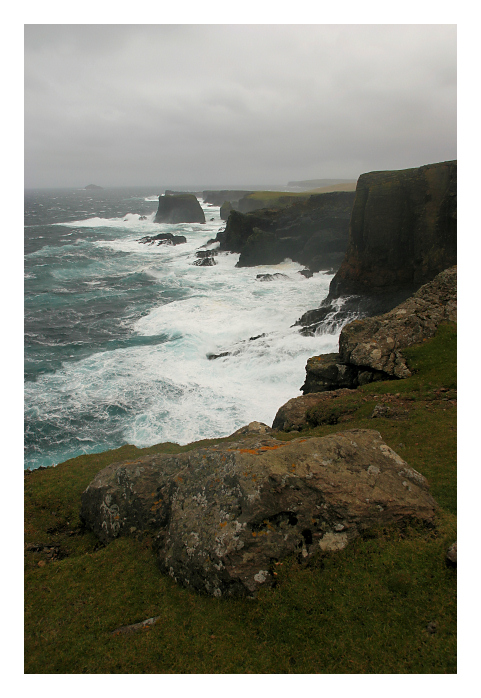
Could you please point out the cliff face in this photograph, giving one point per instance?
(402, 231)
(179, 208)
(312, 231)
(401, 234)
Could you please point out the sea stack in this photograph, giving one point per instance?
(179, 208)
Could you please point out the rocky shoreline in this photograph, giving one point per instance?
(223, 516)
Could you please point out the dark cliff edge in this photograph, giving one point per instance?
(179, 208)
(402, 233)
(312, 231)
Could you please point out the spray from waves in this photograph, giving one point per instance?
(172, 391)
(158, 380)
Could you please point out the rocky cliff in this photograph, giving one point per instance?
(312, 231)
(401, 234)
(371, 349)
(179, 208)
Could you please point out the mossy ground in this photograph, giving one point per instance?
(362, 610)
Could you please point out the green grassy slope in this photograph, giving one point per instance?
(362, 610)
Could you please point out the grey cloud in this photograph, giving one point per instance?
(259, 104)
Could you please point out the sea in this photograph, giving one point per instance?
(118, 333)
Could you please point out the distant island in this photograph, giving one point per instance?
(93, 186)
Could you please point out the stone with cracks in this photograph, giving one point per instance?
(222, 516)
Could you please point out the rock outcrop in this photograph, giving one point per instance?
(371, 349)
(223, 516)
(179, 208)
(292, 416)
(163, 239)
(205, 258)
(402, 233)
(312, 231)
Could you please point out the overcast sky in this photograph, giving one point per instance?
(235, 104)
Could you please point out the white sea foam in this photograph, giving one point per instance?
(171, 391)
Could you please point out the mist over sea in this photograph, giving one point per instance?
(118, 333)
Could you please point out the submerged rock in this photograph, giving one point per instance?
(223, 516)
(205, 258)
(271, 277)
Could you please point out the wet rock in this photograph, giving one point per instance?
(163, 239)
(271, 277)
(222, 516)
(205, 258)
(211, 357)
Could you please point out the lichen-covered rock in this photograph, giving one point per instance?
(377, 342)
(223, 516)
(179, 208)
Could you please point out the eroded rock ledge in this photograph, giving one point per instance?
(222, 517)
(371, 349)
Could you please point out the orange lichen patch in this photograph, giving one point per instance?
(256, 451)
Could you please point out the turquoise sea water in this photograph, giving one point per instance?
(118, 333)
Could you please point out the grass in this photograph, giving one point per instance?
(274, 199)
(362, 610)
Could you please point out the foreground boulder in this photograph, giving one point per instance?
(179, 208)
(223, 516)
(371, 349)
